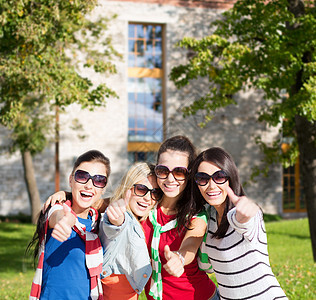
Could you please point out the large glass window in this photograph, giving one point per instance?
(145, 88)
(145, 46)
(144, 109)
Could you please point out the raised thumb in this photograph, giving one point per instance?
(168, 252)
(66, 208)
(234, 198)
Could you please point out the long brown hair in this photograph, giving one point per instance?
(225, 162)
(186, 207)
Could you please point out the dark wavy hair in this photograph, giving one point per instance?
(225, 162)
(186, 206)
(89, 156)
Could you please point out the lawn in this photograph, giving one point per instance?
(289, 248)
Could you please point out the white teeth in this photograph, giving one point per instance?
(211, 194)
(170, 186)
(86, 194)
(142, 205)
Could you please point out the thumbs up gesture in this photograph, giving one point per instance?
(174, 265)
(116, 209)
(63, 227)
(245, 208)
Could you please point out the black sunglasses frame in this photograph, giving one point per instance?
(148, 190)
(93, 178)
(208, 177)
(186, 172)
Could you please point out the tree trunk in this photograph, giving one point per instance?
(32, 190)
(306, 138)
(306, 133)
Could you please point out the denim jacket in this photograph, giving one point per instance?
(125, 251)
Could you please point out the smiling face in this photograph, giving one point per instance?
(171, 187)
(140, 206)
(86, 194)
(214, 194)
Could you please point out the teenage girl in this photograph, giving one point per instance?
(126, 263)
(236, 241)
(174, 229)
(66, 240)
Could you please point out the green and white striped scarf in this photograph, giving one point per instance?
(156, 280)
(202, 258)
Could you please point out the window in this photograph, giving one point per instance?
(145, 90)
(293, 196)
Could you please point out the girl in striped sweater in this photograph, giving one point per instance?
(236, 241)
(66, 241)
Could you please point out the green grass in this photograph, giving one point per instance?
(16, 273)
(289, 247)
(291, 257)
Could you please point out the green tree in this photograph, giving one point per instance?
(269, 46)
(42, 45)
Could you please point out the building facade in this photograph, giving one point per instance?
(149, 110)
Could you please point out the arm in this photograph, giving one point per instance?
(245, 217)
(188, 249)
(57, 197)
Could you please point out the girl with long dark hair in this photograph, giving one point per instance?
(175, 229)
(236, 241)
(66, 240)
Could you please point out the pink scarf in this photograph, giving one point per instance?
(94, 256)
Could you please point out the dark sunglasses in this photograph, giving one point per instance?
(141, 190)
(219, 177)
(179, 173)
(98, 181)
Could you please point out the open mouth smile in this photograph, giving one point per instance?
(86, 195)
(144, 206)
(213, 194)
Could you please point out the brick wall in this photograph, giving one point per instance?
(215, 4)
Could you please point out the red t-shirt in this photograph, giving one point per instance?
(193, 283)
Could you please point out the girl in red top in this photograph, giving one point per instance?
(173, 247)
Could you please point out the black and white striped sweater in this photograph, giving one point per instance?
(240, 260)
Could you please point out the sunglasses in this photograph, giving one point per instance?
(179, 173)
(98, 181)
(219, 177)
(141, 190)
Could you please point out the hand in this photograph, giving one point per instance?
(58, 197)
(116, 209)
(245, 208)
(63, 228)
(174, 265)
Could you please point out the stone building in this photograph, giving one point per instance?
(149, 109)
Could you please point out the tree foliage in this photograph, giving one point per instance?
(43, 44)
(267, 46)
(262, 45)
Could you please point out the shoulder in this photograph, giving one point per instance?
(204, 214)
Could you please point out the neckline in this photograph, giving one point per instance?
(166, 215)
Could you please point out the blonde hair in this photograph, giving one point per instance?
(136, 173)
